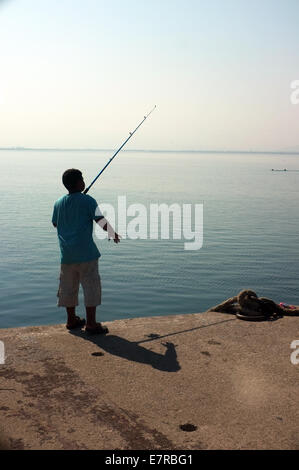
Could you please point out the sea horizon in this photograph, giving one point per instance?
(212, 151)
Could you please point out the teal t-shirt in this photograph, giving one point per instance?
(73, 215)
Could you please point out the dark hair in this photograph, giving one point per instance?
(70, 178)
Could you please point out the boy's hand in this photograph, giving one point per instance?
(117, 238)
(112, 235)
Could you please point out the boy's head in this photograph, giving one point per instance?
(73, 180)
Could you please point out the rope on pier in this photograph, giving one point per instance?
(248, 306)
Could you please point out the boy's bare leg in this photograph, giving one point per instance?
(71, 316)
(72, 320)
(91, 323)
(91, 317)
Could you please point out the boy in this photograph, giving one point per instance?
(73, 216)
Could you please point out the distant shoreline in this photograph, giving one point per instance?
(245, 152)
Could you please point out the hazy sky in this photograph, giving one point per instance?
(83, 73)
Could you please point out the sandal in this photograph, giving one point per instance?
(99, 329)
(79, 322)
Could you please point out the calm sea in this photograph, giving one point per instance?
(250, 233)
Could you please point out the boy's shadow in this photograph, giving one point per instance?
(131, 350)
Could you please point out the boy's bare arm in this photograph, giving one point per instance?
(107, 227)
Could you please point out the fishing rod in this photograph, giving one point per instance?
(110, 160)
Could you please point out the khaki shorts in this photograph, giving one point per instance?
(71, 276)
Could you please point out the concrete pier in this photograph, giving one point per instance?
(231, 382)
